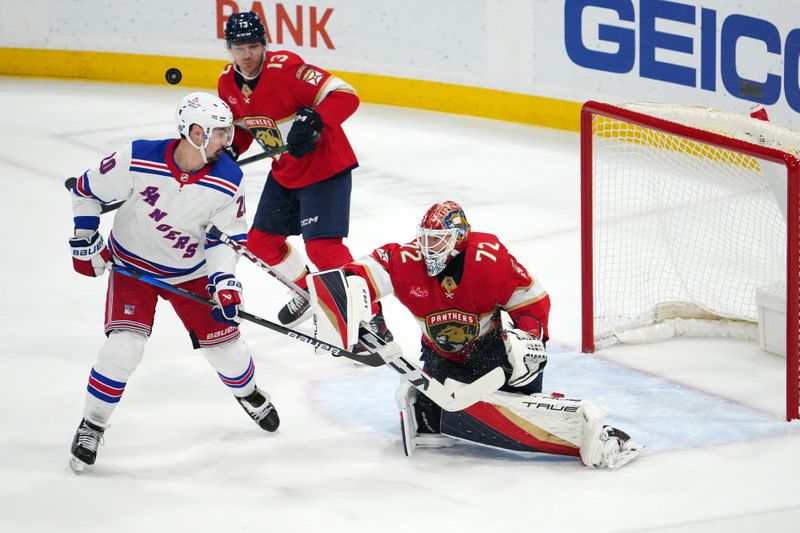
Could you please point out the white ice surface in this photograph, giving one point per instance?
(182, 456)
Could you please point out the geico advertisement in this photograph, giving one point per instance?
(708, 52)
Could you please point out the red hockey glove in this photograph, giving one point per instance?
(226, 291)
(90, 256)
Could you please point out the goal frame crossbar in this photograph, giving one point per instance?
(591, 109)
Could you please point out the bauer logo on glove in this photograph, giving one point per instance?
(90, 256)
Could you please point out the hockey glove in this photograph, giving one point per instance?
(526, 355)
(90, 256)
(232, 151)
(226, 291)
(304, 133)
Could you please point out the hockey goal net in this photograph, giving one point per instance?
(687, 213)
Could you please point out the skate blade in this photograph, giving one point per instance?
(625, 456)
(438, 440)
(408, 438)
(78, 466)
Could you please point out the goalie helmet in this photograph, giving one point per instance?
(442, 234)
(208, 112)
(244, 27)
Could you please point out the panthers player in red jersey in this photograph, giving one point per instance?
(455, 281)
(479, 309)
(279, 99)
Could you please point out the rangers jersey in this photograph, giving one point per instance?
(266, 113)
(455, 308)
(160, 229)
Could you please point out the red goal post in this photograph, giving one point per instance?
(686, 213)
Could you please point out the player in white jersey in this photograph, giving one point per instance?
(173, 190)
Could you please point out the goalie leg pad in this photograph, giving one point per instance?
(603, 446)
(579, 423)
(407, 401)
(559, 417)
(593, 418)
(339, 304)
(406, 397)
(498, 426)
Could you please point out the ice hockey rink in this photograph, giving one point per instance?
(181, 455)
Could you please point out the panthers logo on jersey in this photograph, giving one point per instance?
(264, 130)
(452, 329)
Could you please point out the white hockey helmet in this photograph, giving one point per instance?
(208, 112)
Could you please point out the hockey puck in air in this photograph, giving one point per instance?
(173, 76)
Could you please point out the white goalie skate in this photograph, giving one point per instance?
(603, 446)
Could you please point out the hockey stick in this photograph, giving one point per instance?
(367, 359)
(242, 251)
(69, 183)
(450, 395)
(447, 396)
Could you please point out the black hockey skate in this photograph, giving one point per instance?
(294, 312)
(84, 446)
(260, 409)
(377, 326)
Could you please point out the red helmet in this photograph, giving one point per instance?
(442, 234)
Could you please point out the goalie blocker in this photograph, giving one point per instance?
(340, 303)
(517, 422)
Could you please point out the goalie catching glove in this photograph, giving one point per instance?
(90, 255)
(226, 291)
(526, 355)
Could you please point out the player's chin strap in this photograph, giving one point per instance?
(200, 148)
(451, 396)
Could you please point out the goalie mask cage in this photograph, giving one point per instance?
(685, 213)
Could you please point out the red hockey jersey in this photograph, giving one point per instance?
(456, 307)
(286, 85)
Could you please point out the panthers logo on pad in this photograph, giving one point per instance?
(452, 329)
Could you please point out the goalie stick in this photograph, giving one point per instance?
(367, 359)
(69, 183)
(449, 396)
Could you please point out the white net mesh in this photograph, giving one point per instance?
(681, 228)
